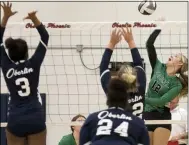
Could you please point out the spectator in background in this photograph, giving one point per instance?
(73, 138)
(179, 131)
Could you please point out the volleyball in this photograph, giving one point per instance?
(147, 7)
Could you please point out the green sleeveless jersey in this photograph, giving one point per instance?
(162, 88)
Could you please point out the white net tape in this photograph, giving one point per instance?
(75, 123)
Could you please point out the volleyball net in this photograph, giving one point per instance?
(70, 72)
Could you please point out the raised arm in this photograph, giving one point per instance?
(138, 65)
(137, 60)
(104, 71)
(7, 14)
(2, 32)
(42, 46)
(151, 49)
(166, 98)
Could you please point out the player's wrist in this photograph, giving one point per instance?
(132, 44)
(111, 45)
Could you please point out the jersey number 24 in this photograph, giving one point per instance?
(25, 86)
(105, 128)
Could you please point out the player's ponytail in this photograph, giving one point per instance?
(128, 74)
(17, 49)
(129, 78)
(183, 77)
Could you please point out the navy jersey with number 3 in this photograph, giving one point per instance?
(136, 99)
(22, 78)
(114, 126)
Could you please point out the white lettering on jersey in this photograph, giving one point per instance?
(12, 72)
(104, 114)
(135, 99)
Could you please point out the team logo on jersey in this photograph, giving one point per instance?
(135, 99)
(104, 114)
(12, 72)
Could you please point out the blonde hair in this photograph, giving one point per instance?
(183, 77)
(128, 74)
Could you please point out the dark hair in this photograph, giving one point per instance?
(17, 49)
(117, 93)
(75, 118)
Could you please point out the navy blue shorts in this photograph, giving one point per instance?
(22, 125)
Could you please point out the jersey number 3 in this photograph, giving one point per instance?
(105, 128)
(25, 86)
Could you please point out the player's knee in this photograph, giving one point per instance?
(17, 49)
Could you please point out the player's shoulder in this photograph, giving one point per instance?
(159, 64)
(92, 116)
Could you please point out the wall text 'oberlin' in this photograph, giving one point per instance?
(49, 25)
(135, 24)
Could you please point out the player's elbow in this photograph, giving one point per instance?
(103, 67)
(47, 35)
(149, 44)
(161, 103)
(45, 38)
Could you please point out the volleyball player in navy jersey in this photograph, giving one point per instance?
(134, 76)
(115, 125)
(26, 117)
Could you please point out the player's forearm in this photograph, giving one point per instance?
(36, 21)
(150, 47)
(41, 29)
(43, 33)
(4, 21)
(137, 60)
(2, 27)
(105, 60)
(141, 80)
(154, 101)
(164, 99)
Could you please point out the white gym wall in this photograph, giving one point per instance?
(71, 88)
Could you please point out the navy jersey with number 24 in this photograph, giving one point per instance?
(114, 126)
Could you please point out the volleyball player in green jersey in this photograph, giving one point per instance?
(167, 82)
